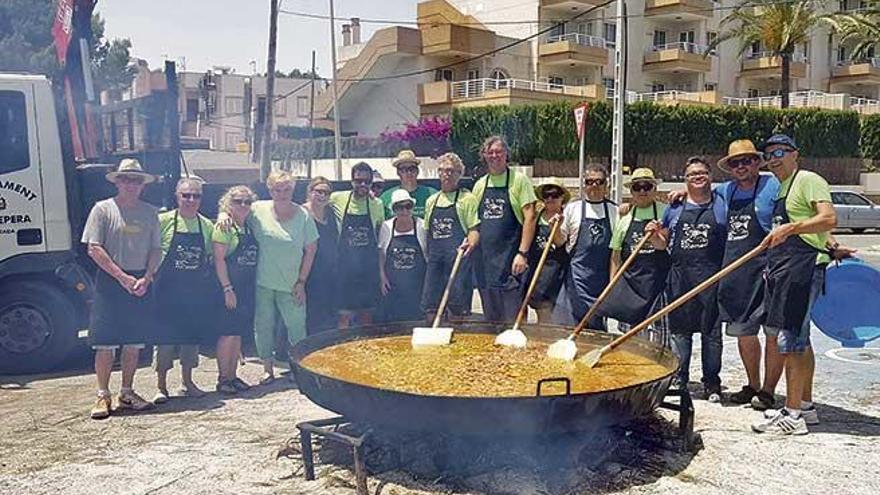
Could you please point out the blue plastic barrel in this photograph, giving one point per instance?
(849, 310)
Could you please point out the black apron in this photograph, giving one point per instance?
(500, 235)
(632, 298)
(241, 265)
(358, 261)
(405, 269)
(117, 317)
(790, 268)
(741, 294)
(445, 235)
(590, 264)
(697, 252)
(323, 283)
(184, 289)
(552, 276)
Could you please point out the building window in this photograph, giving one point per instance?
(302, 106)
(608, 82)
(192, 109)
(473, 74)
(280, 107)
(710, 87)
(585, 28)
(658, 87)
(610, 34)
(500, 74)
(556, 82)
(711, 36)
(687, 37)
(444, 75)
(14, 149)
(659, 38)
(753, 93)
(234, 105)
(756, 48)
(841, 54)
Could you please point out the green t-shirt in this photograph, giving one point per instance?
(421, 195)
(281, 245)
(185, 226)
(520, 190)
(466, 207)
(357, 207)
(230, 238)
(622, 225)
(808, 189)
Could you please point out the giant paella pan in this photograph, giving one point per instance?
(372, 375)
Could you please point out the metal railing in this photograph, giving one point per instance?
(476, 88)
(795, 57)
(796, 99)
(683, 46)
(580, 39)
(671, 95)
(873, 61)
(864, 105)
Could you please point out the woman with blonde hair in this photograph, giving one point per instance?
(321, 288)
(235, 262)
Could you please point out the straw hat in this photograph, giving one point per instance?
(400, 196)
(405, 157)
(552, 182)
(738, 148)
(130, 167)
(642, 175)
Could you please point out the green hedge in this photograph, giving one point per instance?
(870, 137)
(547, 131)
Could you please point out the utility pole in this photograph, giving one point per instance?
(336, 129)
(619, 103)
(311, 117)
(266, 142)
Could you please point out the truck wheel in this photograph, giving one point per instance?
(38, 329)
(858, 231)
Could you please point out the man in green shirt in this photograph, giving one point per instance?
(184, 287)
(407, 166)
(799, 249)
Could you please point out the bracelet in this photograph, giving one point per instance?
(524, 255)
(228, 288)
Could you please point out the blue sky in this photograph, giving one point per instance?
(234, 32)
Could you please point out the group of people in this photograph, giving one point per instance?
(354, 257)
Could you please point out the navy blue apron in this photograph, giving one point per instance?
(790, 268)
(697, 252)
(118, 317)
(358, 260)
(632, 298)
(323, 284)
(741, 294)
(500, 234)
(445, 235)
(552, 276)
(241, 265)
(405, 269)
(590, 265)
(184, 289)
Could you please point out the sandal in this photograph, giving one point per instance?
(226, 388)
(267, 379)
(239, 384)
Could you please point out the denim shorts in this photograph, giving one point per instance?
(796, 340)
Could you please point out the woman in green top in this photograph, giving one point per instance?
(235, 262)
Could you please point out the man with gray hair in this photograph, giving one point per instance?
(184, 287)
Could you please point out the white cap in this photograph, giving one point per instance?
(401, 195)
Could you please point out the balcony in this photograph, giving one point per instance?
(679, 10)
(796, 99)
(857, 73)
(766, 65)
(677, 98)
(574, 49)
(677, 57)
(440, 97)
(569, 6)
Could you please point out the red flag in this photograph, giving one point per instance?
(62, 30)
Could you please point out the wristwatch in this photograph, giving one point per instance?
(524, 255)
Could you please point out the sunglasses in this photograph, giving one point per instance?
(191, 195)
(448, 171)
(777, 153)
(404, 206)
(642, 187)
(408, 170)
(321, 192)
(552, 195)
(129, 180)
(241, 202)
(692, 175)
(742, 162)
(362, 182)
(594, 182)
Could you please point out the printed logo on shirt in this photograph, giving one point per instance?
(738, 227)
(441, 228)
(778, 220)
(695, 236)
(403, 257)
(493, 208)
(596, 229)
(636, 238)
(358, 236)
(188, 257)
(248, 256)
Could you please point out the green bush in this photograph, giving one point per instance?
(547, 131)
(870, 137)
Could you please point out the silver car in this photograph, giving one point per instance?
(855, 212)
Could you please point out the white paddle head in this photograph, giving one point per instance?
(512, 338)
(591, 359)
(565, 350)
(430, 336)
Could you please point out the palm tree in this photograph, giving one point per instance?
(860, 27)
(778, 27)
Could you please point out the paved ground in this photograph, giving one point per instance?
(243, 444)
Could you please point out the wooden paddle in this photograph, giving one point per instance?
(592, 358)
(514, 337)
(566, 348)
(435, 335)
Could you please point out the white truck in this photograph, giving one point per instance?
(45, 279)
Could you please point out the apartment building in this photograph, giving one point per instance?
(667, 60)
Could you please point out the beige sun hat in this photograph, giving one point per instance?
(552, 182)
(643, 174)
(740, 147)
(405, 156)
(131, 168)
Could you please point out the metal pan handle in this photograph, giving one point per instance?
(562, 379)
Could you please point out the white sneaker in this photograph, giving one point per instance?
(782, 424)
(811, 417)
(161, 397)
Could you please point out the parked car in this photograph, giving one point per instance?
(855, 212)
